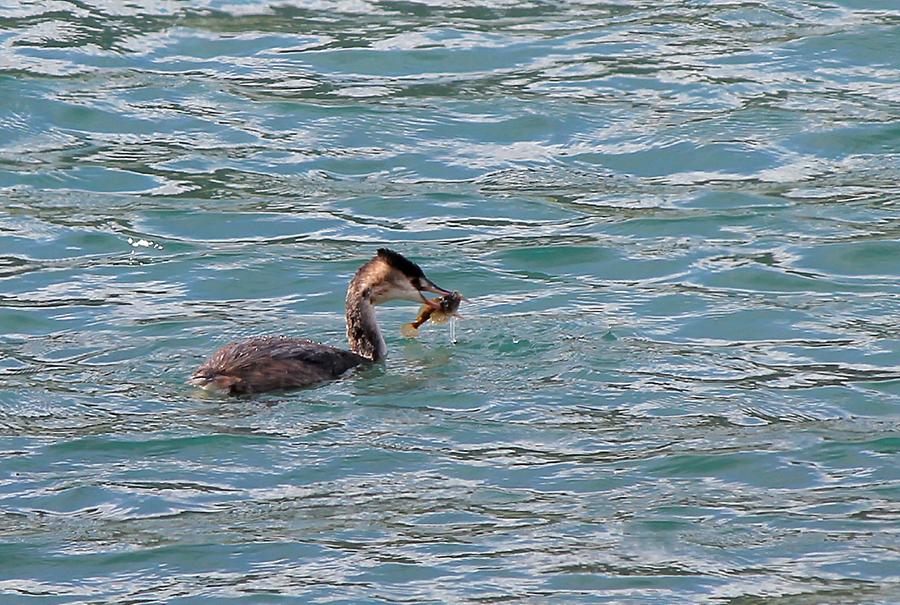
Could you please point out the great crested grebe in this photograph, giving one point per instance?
(267, 363)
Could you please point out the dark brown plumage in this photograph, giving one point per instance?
(401, 263)
(267, 363)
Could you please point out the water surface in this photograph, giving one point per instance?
(679, 377)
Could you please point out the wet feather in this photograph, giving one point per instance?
(268, 363)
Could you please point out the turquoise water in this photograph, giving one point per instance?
(678, 379)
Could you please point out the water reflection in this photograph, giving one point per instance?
(677, 377)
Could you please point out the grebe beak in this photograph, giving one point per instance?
(434, 305)
(426, 285)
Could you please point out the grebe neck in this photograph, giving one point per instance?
(363, 332)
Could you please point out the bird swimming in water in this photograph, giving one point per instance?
(268, 363)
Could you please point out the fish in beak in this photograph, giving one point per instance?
(438, 310)
(426, 285)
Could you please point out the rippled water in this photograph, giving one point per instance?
(677, 224)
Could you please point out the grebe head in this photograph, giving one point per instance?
(392, 276)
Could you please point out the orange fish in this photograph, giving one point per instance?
(449, 304)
